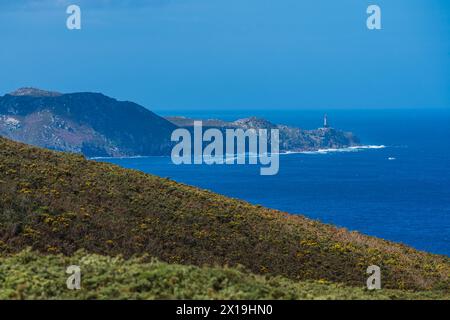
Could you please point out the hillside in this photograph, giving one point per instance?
(292, 139)
(29, 275)
(60, 203)
(88, 123)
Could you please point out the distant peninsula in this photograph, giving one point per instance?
(292, 139)
(96, 125)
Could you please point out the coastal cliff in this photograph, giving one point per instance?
(292, 139)
(99, 126)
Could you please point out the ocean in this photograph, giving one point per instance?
(399, 192)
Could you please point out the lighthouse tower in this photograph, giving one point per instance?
(325, 121)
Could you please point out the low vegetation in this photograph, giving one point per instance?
(29, 275)
(59, 203)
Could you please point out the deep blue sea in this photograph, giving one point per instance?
(406, 199)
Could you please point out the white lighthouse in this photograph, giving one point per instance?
(325, 121)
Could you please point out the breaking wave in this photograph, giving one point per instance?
(332, 150)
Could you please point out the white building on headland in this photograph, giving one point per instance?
(326, 124)
(325, 121)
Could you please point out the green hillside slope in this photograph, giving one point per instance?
(60, 203)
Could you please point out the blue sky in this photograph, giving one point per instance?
(229, 54)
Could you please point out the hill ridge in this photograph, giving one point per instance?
(86, 122)
(59, 203)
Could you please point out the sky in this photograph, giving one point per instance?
(232, 54)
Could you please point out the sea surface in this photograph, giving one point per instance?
(399, 192)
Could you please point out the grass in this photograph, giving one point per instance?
(59, 203)
(28, 275)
